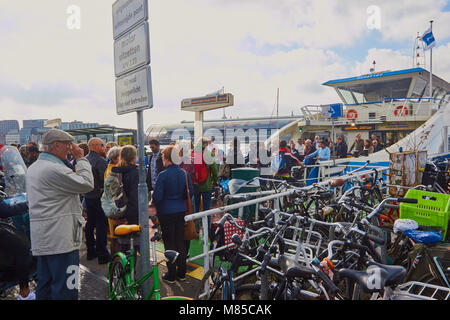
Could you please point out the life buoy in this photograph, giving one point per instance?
(352, 114)
(401, 111)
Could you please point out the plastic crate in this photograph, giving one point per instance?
(431, 210)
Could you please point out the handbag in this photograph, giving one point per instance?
(190, 232)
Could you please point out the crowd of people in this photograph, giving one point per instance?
(66, 182)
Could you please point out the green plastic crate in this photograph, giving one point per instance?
(431, 210)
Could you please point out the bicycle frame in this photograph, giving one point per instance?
(128, 261)
(421, 261)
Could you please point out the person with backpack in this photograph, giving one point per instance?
(130, 180)
(108, 206)
(283, 161)
(205, 177)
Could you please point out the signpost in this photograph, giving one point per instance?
(332, 111)
(127, 14)
(201, 104)
(132, 50)
(134, 94)
(134, 91)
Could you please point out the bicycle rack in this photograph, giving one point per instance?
(420, 291)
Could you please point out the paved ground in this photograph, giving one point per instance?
(94, 282)
(94, 285)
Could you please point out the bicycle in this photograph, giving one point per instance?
(122, 282)
(220, 279)
(385, 281)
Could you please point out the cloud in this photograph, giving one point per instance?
(198, 46)
(41, 93)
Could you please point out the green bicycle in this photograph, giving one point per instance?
(122, 282)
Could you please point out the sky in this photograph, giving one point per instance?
(251, 48)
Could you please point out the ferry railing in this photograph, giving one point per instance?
(326, 171)
(313, 112)
(277, 198)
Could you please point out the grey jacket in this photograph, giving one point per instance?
(53, 192)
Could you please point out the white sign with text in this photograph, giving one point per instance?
(134, 91)
(132, 50)
(127, 14)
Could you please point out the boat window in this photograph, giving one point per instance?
(360, 98)
(439, 93)
(419, 88)
(347, 95)
(375, 91)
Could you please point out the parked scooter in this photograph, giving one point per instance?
(13, 191)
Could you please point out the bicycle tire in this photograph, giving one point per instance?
(117, 282)
(248, 292)
(213, 278)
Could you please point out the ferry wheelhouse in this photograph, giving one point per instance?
(389, 104)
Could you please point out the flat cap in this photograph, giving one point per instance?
(56, 135)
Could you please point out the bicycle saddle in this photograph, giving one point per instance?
(171, 256)
(300, 272)
(396, 274)
(284, 263)
(371, 280)
(126, 229)
(337, 182)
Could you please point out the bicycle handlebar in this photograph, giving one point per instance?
(407, 200)
(375, 239)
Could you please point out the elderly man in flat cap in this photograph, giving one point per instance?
(53, 192)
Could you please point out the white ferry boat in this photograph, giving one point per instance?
(389, 104)
(394, 105)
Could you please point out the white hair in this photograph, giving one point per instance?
(114, 153)
(47, 147)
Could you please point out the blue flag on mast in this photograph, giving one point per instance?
(428, 38)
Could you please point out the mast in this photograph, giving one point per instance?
(278, 100)
(431, 65)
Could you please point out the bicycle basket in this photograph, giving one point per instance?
(431, 210)
(227, 233)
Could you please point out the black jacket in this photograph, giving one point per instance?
(159, 168)
(99, 166)
(341, 150)
(130, 180)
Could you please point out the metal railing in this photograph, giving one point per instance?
(263, 196)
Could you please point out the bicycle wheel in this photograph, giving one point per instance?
(117, 283)
(213, 278)
(248, 292)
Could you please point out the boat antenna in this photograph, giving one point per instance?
(278, 100)
(372, 70)
(418, 53)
